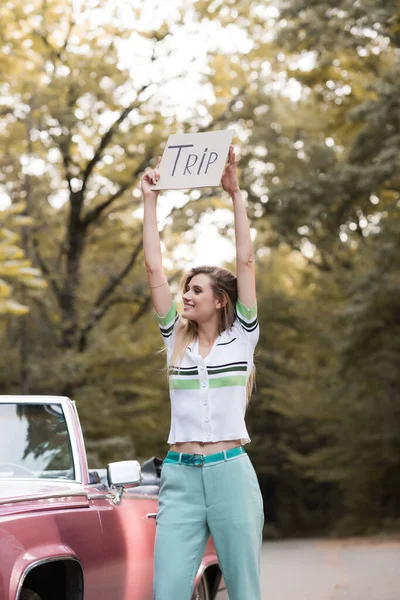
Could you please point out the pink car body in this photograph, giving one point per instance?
(69, 539)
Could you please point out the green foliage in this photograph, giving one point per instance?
(15, 271)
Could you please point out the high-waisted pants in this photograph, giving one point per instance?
(222, 499)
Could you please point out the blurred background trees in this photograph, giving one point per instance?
(312, 91)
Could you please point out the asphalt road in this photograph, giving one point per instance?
(353, 569)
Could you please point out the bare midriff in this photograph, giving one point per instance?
(204, 447)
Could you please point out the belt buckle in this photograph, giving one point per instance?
(202, 460)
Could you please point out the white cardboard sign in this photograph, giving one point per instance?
(192, 160)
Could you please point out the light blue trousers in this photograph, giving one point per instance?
(222, 499)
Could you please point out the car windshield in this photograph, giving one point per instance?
(34, 442)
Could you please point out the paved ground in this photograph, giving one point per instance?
(353, 569)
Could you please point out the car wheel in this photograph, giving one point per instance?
(201, 591)
(28, 595)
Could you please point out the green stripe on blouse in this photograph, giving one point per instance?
(184, 384)
(170, 316)
(246, 313)
(228, 381)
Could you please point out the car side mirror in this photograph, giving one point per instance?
(124, 473)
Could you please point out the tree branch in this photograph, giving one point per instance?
(53, 51)
(102, 299)
(61, 251)
(70, 28)
(99, 314)
(94, 214)
(107, 137)
(96, 317)
(44, 268)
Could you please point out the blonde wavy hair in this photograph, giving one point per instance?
(224, 286)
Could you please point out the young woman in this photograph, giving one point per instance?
(208, 483)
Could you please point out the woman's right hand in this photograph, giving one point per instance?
(149, 179)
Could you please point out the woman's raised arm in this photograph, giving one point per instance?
(244, 247)
(160, 292)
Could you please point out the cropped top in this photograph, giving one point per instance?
(208, 395)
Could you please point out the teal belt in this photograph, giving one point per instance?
(198, 460)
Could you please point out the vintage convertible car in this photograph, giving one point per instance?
(67, 533)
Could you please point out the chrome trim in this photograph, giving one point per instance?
(140, 495)
(66, 406)
(202, 569)
(100, 497)
(118, 495)
(43, 561)
(43, 497)
(84, 457)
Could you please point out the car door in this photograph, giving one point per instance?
(128, 529)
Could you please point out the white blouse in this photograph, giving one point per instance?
(208, 395)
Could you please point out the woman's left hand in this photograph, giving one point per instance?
(229, 180)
